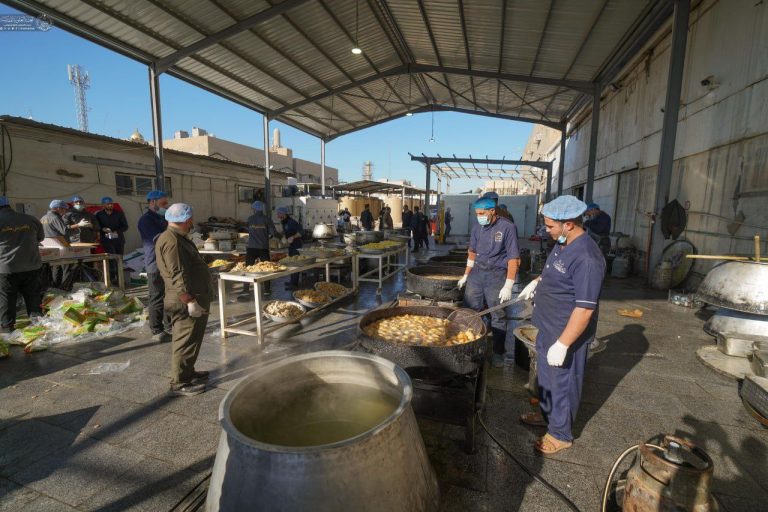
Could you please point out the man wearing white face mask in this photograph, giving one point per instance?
(188, 295)
(492, 264)
(83, 225)
(565, 312)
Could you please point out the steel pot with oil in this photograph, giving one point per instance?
(324, 432)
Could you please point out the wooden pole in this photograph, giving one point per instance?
(757, 247)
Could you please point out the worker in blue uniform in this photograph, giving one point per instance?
(492, 264)
(291, 237)
(565, 311)
(597, 223)
(151, 225)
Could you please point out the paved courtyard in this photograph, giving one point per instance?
(73, 440)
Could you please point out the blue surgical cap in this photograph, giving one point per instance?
(490, 195)
(77, 199)
(564, 208)
(57, 203)
(484, 203)
(591, 206)
(155, 194)
(283, 210)
(4, 201)
(106, 200)
(502, 206)
(178, 212)
(258, 206)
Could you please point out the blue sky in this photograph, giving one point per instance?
(35, 84)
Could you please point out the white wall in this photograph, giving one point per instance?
(721, 153)
(522, 208)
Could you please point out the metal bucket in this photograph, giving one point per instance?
(354, 452)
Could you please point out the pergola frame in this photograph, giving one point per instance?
(653, 16)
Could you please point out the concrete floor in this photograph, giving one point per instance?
(70, 440)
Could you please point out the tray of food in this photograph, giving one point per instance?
(297, 261)
(221, 265)
(261, 267)
(380, 247)
(283, 311)
(333, 290)
(311, 298)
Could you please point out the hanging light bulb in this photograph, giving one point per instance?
(356, 50)
(410, 82)
(409, 114)
(432, 137)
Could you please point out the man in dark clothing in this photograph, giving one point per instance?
(20, 264)
(598, 225)
(57, 232)
(420, 227)
(382, 214)
(83, 225)
(366, 218)
(260, 230)
(447, 219)
(113, 226)
(151, 225)
(188, 297)
(407, 219)
(291, 237)
(346, 219)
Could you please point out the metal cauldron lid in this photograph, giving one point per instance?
(737, 285)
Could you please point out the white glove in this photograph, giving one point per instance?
(529, 290)
(556, 354)
(83, 224)
(505, 295)
(106, 230)
(462, 281)
(195, 310)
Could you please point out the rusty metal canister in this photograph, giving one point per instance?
(675, 479)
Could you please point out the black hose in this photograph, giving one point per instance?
(554, 490)
(178, 504)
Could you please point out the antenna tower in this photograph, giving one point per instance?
(80, 80)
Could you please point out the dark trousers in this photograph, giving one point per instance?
(113, 247)
(294, 251)
(187, 337)
(159, 319)
(251, 256)
(60, 276)
(447, 231)
(11, 285)
(483, 287)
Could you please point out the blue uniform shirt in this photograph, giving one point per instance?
(494, 244)
(260, 228)
(290, 228)
(151, 225)
(600, 225)
(572, 277)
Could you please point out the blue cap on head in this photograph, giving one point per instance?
(564, 208)
(77, 199)
(4, 201)
(258, 206)
(283, 210)
(106, 200)
(591, 206)
(57, 203)
(484, 203)
(503, 207)
(490, 195)
(156, 194)
(178, 212)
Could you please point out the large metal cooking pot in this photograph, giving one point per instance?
(367, 237)
(464, 358)
(350, 465)
(438, 289)
(323, 231)
(450, 259)
(736, 332)
(737, 285)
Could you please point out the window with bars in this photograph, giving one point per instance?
(138, 185)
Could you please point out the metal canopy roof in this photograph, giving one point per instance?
(530, 60)
(376, 187)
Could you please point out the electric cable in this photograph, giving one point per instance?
(554, 490)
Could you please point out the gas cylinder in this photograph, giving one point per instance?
(677, 477)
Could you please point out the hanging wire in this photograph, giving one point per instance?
(410, 85)
(432, 137)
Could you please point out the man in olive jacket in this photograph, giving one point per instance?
(188, 295)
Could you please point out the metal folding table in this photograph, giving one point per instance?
(257, 280)
(384, 269)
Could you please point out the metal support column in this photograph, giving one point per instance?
(593, 145)
(157, 125)
(561, 164)
(549, 183)
(439, 219)
(669, 124)
(322, 167)
(267, 182)
(428, 165)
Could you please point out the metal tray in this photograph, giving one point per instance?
(310, 260)
(280, 319)
(310, 305)
(333, 297)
